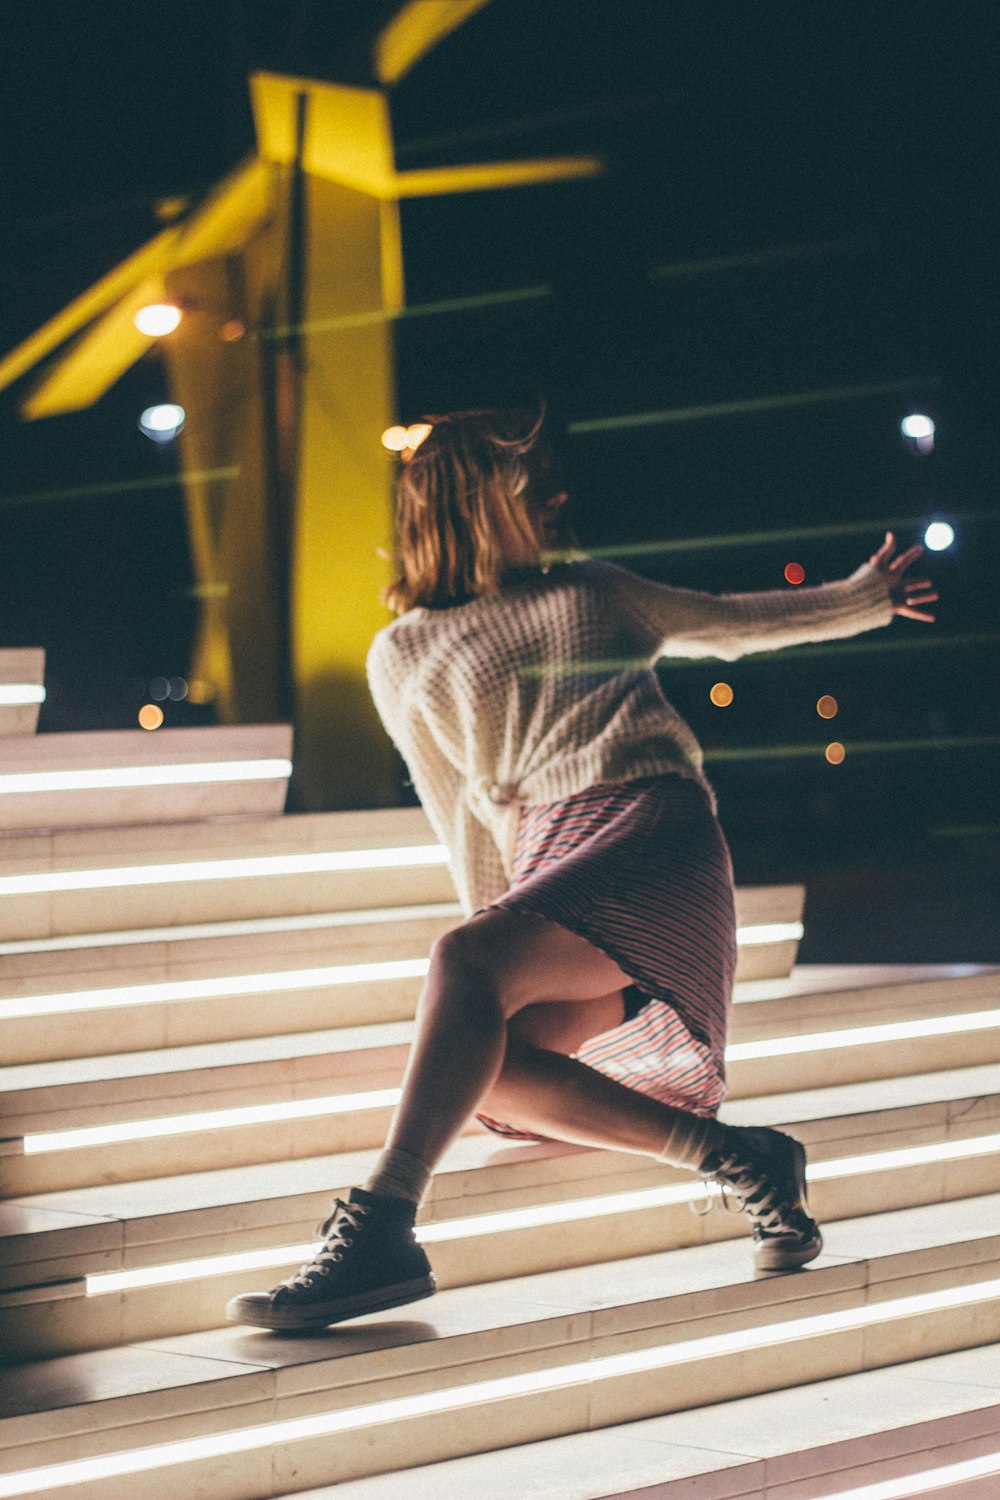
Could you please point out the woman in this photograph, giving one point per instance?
(586, 997)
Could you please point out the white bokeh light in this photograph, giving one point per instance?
(163, 422)
(938, 536)
(917, 426)
(157, 319)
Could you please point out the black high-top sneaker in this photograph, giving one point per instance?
(369, 1260)
(766, 1171)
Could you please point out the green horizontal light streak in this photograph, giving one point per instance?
(125, 486)
(761, 538)
(967, 831)
(740, 408)
(419, 310)
(760, 658)
(853, 747)
(780, 256)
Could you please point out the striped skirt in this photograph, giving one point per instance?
(641, 870)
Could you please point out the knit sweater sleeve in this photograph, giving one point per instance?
(683, 622)
(476, 867)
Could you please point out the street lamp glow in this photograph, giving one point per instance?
(157, 319)
(939, 536)
(163, 422)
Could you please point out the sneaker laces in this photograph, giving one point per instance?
(746, 1188)
(335, 1241)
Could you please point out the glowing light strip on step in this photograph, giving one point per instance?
(586, 1372)
(162, 775)
(924, 1483)
(540, 1216)
(221, 987)
(193, 931)
(218, 1119)
(769, 932)
(14, 693)
(864, 1036)
(225, 869)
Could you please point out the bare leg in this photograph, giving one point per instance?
(481, 976)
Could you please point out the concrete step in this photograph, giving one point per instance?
(120, 776)
(254, 1415)
(904, 1425)
(107, 880)
(91, 1267)
(115, 1118)
(170, 987)
(22, 691)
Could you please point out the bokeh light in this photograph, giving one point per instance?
(795, 573)
(919, 431)
(835, 753)
(163, 422)
(200, 691)
(938, 536)
(159, 689)
(721, 695)
(416, 433)
(177, 689)
(233, 331)
(150, 716)
(395, 439)
(827, 707)
(157, 319)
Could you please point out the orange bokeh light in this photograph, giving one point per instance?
(721, 695)
(827, 706)
(795, 573)
(150, 716)
(835, 753)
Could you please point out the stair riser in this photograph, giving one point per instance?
(291, 1467)
(124, 908)
(71, 1322)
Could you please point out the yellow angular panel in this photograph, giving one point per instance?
(500, 174)
(344, 512)
(229, 218)
(100, 358)
(415, 30)
(153, 256)
(348, 137)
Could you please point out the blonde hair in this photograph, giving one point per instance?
(463, 509)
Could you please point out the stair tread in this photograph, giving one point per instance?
(220, 1189)
(616, 1461)
(551, 1309)
(804, 981)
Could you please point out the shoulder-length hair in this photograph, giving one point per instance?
(464, 508)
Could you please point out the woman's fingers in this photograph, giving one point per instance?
(886, 550)
(914, 614)
(903, 561)
(923, 596)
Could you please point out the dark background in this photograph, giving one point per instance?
(798, 198)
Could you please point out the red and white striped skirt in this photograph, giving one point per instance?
(641, 869)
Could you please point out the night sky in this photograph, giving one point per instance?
(798, 198)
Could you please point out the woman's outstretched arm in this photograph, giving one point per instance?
(683, 622)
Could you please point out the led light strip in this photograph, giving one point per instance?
(458, 1398)
(166, 991)
(539, 1216)
(14, 693)
(162, 775)
(221, 987)
(225, 869)
(864, 1036)
(218, 1119)
(309, 922)
(925, 1482)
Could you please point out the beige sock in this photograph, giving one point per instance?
(691, 1139)
(397, 1174)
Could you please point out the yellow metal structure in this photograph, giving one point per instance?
(289, 274)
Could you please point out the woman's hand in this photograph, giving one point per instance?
(905, 593)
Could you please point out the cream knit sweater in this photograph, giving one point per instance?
(547, 688)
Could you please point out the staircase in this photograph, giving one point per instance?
(205, 1010)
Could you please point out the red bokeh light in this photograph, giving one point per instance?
(795, 573)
